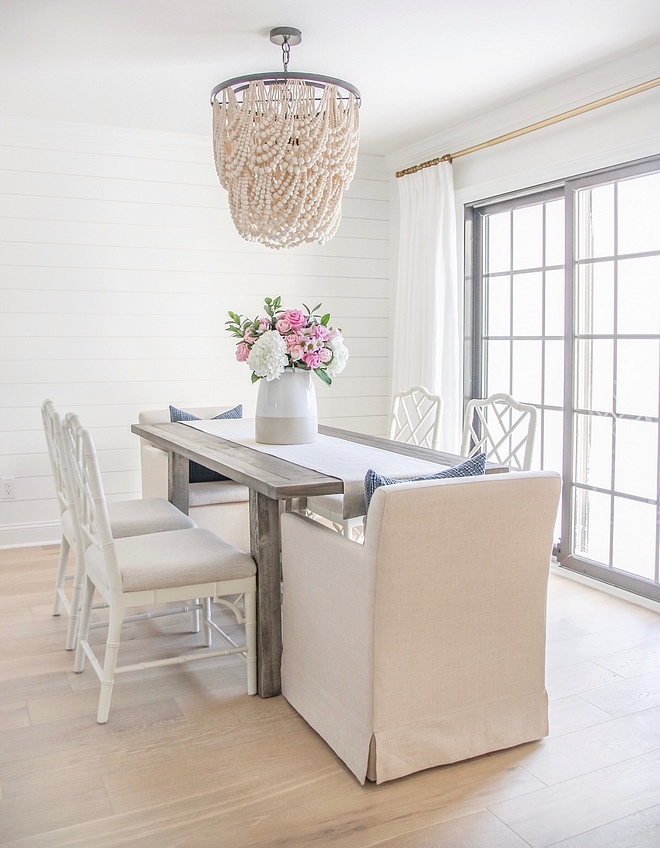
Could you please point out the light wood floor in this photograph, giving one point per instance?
(187, 759)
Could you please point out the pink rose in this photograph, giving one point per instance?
(333, 334)
(312, 359)
(242, 352)
(321, 332)
(291, 340)
(295, 317)
(264, 324)
(283, 326)
(249, 336)
(325, 355)
(296, 352)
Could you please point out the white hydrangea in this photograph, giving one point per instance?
(268, 356)
(339, 357)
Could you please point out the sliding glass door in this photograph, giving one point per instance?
(565, 296)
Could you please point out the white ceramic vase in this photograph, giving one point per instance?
(286, 409)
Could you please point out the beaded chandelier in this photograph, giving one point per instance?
(285, 148)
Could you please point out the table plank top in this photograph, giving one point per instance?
(440, 457)
(271, 476)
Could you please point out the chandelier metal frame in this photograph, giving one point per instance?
(288, 37)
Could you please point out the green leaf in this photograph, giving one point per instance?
(268, 300)
(318, 306)
(323, 374)
(325, 319)
(254, 377)
(309, 311)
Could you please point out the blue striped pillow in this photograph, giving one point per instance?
(199, 473)
(472, 467)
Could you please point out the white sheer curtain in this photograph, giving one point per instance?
(426, 322)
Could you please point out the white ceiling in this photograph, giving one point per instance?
(421, 65)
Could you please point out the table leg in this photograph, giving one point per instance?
(265, 549)
(177, 481)
(177, 494)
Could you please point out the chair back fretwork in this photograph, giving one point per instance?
(416, 417)
(91, 509)
(501, 428)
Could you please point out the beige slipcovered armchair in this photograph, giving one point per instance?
(220, 506)
(426, 645)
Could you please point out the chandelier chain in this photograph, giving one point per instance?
(286, 52)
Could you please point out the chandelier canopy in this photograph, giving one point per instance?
(285, 148)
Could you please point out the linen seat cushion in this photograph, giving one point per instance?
(137, 518)
(219, 492)
(178, 558)
(473, 467)
(200, 473)
(333, 503)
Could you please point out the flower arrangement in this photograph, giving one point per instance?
(288, 338)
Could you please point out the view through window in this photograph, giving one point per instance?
(567, 317)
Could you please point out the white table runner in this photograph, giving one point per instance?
(349, 461)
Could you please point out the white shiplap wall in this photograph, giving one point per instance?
(118, 264)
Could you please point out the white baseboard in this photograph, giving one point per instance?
(631, 597)
(30, 535)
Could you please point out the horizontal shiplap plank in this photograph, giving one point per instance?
(33, 208)
(92, 257)
(210, 195)
(146, 370)
(18, 301)
(247, 284)
(74, 234)
(34, 347)
(138, 169)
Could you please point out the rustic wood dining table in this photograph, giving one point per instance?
(274, 485)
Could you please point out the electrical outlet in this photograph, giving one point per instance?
(8, 487)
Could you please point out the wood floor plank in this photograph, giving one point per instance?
(558, 630)
(478, 830)
(30, 815)
(577, 678)
(581, 804)
(601, 646)
(35, 686)
(573, 713)
(13, 715)
(553, 760)
(633, 662)
(640, 830)
(627, 696)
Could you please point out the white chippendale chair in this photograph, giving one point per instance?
(159, 568)
(127, 518)
(502, 428)
(221, 506)
(415, 420)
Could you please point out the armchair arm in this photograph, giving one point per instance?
(328, 612)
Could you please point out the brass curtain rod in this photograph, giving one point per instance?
(580, 110)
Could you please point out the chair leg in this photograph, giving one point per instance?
(207, 632)
(195, 618)
(83, 630)
(109, 664)
(251, 640)
(76, 598)
(61, 573)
